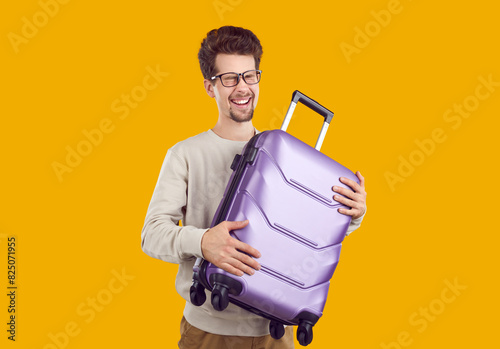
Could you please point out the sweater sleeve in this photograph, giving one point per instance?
(162, 237)
(355, 224)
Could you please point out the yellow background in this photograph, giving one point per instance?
(438, 224)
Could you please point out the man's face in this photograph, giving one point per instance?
(237, 102)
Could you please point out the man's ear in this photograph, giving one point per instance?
(209, 87)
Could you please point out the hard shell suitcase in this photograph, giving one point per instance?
(284, 188)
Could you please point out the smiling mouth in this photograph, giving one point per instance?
(241, 102)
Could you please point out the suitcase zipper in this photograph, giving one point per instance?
(238, 165)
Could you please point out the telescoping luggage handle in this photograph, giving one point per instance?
(298, 96)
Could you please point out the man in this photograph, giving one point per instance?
(191, 184)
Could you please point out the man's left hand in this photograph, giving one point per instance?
(355, 198)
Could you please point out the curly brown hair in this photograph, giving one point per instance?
(228, 40)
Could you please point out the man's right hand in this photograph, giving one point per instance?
(222, 250)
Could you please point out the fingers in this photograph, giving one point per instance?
(353, 212)
(245, 256)
(248, 249)
(344, 191)
(355, 198)
(346, 201)
(354, 186)
(235, 225)
(230, 269)
(233, 255)
(355, 206)
(241, 264)
(361, 179)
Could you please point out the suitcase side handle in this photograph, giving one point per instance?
(298, 96)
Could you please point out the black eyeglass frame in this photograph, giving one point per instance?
(240, 75)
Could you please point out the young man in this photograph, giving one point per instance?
(191, 184)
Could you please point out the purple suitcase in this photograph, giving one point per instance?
(283, 187)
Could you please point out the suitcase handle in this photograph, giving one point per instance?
(298, 96)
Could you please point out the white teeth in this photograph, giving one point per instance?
(245, 101)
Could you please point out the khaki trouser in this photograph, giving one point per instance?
(194, 338)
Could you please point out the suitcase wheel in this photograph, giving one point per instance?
(197, 294)
(276, 330)
(220, 297)
(305, 333)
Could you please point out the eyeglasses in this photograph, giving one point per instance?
(251, 77)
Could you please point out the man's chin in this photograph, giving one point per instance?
(239, 117)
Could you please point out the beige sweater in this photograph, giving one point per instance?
(190, 186)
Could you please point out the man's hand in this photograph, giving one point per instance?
(221, 249)
(355, 198)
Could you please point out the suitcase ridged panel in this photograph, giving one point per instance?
(282, 253)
